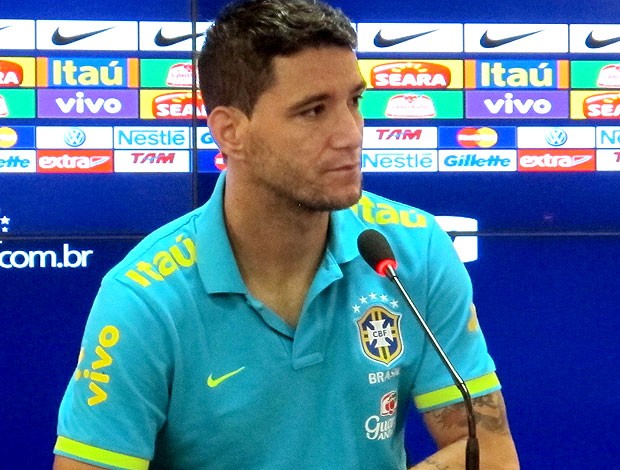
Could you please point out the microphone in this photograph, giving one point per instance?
(376, 251)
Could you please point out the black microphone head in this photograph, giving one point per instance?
(376, 251)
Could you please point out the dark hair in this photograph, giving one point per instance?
(235, 64)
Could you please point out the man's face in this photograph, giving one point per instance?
(304, 139)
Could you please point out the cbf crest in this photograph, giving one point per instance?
(379, 329)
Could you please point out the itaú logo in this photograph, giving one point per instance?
(32, 259)
(466, 246)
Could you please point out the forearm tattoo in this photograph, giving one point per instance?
(489, 412)
(435, 464)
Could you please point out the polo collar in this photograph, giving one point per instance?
(215, 259)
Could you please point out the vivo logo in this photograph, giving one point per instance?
(533, 104)
(87, 104)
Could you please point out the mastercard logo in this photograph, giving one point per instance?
(482, 137)
(8, 137)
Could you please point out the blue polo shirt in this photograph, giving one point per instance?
(181, 367)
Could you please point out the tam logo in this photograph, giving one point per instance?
(410, 75)
(11, 74)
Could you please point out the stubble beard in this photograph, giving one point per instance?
(289, 185)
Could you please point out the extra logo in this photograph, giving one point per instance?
(379, 328)
(557, 160)
(381, 426)
(75, 161)
(96, 374)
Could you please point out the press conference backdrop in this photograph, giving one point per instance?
(499, 117)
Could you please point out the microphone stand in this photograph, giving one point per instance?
(472, 452)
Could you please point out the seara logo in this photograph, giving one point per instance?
(177, 105)
(408, 74)
(602, 106)
(32, 259)
(11, 74)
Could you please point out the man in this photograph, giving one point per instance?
(250, 333)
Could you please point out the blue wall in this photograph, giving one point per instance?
(546, 280)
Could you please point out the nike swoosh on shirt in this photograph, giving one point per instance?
(4, 27)
(61, 40)
(598, 43)
(488, 43)
(380, 41)
(212, 383)
(163, 41)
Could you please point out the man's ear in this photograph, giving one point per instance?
(228, 126)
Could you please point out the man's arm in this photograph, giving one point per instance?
(448, 427)
(64, 463)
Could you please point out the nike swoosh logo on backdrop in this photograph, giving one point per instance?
(598, 43)
(212, 383)
(61, 40)
(380, 41)
(488, 43)
(163, 41)
(4, 27)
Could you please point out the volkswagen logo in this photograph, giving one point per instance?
(556, 137)
(75, 137)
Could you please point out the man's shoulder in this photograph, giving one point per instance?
(375, 210)
(161, 252)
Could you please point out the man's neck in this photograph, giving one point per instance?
(278, 249)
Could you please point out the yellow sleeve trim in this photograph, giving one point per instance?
(451, 393)
(96, 455)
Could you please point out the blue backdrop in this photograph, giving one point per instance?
(546, 279)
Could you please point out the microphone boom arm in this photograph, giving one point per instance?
(472, 451)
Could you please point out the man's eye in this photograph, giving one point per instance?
(356, 100)
(314, 111)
